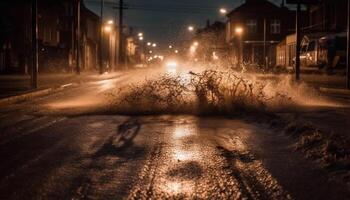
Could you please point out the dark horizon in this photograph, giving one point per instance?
(168, 26)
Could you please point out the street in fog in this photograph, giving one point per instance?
(163, 99)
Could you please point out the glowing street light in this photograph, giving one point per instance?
(193, 49)
(150, 52)
(239, 30)
(149, 44)
(140, 34)
(107, 29)
(170, 46)
(154, 45)
(176, 51)
(196, 44)
(191, 28)
(141, 38)
(110, 22)
(223, 11)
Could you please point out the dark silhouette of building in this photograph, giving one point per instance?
(15, 36)
(323, 37)
(255, 27)
(328, 16)
(211, 41)
(90, 26)
(56, 32)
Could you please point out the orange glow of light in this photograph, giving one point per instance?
(107, 29)
(239, 30)
(177, 187)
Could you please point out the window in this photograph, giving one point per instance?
(252, 25)
(275, 26)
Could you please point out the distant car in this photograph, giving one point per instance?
(328, 51)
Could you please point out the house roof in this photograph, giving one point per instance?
(251, 6)
(88, 13)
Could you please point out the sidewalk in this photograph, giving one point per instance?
(332, 86)
(13, 85)
(333, 118)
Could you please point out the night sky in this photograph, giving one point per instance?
(165, 21)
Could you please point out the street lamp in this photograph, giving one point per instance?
(190, 28)
(223, 11)
(193, 49)
(110, 22)
(141, 38)
(239, 30)
(107, 29)
(149, 44)
(154, 45)
(140, 34)
(170, 46)
(176, 51)
(196, 44)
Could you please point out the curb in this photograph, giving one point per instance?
(41, 92)
(335, 91)
(34, 94)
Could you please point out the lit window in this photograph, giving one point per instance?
(275, 26)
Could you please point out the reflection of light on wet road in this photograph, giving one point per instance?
(106, 84)
(74, 103)
(182, 132)
(93, 97)
(182, 148)
(176, 187)
(182, 155)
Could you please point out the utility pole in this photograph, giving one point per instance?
(35, 67)
(265, 60)
(298, 41)
(121, 36)
(100, 39)
(78, 46)
(348, 50)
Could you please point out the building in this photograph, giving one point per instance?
(90, 33)
(327, 23)
(15, 36)
(285, 51)
(255, 28)
(57, 38)
(328, 16)
(210, 43)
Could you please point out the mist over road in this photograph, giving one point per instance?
(67, 146)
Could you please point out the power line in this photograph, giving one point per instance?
(176, 8)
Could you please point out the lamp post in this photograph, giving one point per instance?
(35, 59)
(108, 29)
(298, 42)
(239, 33)
(78, 42)
(101, 39)
(121, 58)
(348, 50)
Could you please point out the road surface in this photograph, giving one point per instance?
(66, 146)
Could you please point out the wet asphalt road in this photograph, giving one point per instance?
(56, 147)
